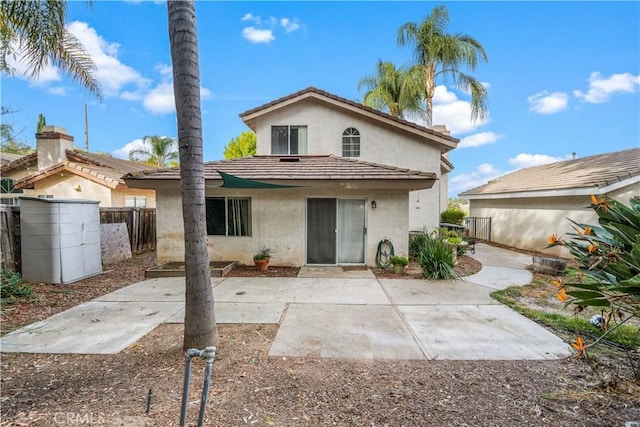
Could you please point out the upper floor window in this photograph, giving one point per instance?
(351, 143)
(288, 140)
(228, 216)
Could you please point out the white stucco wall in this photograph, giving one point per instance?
(278, 221)
(379, 143)
(526, 223)
(62, 186)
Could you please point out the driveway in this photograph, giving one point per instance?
(322, 313)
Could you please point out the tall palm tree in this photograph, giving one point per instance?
(157, 151)
(200, 328)
(438, 53)
(36, 29)
(394, 90)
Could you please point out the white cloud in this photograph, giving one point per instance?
(57, 90)
(453, 112)
(479, 139)
(548, 103)
(255, 35)
(262, 30)
(289, 25)
(526, 160)
(112, 74)
(466, 181)
(123, 152)
(160, 99)
(250, 17)
(601, 89)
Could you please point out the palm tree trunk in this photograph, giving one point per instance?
(430, 87)
(199, 323)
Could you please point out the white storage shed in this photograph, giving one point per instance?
(60, 239)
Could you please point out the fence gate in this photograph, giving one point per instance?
(479, 228)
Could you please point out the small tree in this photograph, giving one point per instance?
(241, 146)
(609, 258)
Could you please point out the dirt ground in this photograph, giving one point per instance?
(250, 388)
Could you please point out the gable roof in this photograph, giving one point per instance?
(584, 176)
(307, 170)
(249, 117)
(98, 168)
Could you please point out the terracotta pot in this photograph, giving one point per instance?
(261, 264)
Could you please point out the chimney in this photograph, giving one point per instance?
(51, 145)
(442, 129)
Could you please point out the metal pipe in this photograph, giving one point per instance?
(185, 388)
(209, 355)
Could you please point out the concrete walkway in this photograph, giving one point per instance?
(345, 314)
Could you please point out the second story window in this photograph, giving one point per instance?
(288, 140)
(351, 143)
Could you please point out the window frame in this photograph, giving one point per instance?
(248, 225)
(351, 142)
(302, 145)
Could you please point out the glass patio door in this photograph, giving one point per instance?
(335, 231)
(351, 229)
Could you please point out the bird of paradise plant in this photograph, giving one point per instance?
(609, 259)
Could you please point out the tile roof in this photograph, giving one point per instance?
(297, 168)
(6, 158)
(96, 167)
(21, 161)
(583, 173)
(380, 114)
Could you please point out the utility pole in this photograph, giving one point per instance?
(86, 128)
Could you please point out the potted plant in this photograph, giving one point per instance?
(262, 257)
(399, 263)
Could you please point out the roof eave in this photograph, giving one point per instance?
(565, 192)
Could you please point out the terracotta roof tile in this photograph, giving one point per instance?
(587, 172)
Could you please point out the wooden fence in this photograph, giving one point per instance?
(10, 255)
(141, 223)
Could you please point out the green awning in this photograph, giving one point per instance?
(231, 181)
(6, 186)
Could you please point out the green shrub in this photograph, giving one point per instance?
(12, 288)
(416, 242)
(399, 260)
(453, 216)
(436, 258)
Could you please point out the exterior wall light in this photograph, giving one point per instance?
(373, 204)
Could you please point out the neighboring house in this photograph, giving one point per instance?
(59, 170)
(530, 204)
(331, 179)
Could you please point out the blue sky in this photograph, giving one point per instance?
(562, 77)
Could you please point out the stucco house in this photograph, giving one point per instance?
(59, 170)
(530, 204)
(330, 180)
